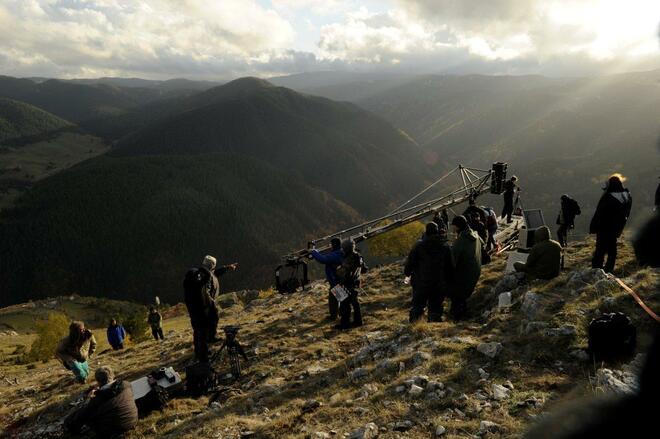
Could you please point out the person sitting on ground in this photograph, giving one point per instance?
(349, 276)
(431, 269)
(466, 252)
(608, 222)
(110, 409)
(332, 260)
(544, 260)
(566, 218)
(116, 335)
(75, 349)
(156, 323)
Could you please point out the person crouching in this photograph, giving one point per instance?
(75, 349)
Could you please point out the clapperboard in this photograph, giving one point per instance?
(339, 292)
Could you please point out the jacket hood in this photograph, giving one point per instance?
(622, 197)
(542, 234)
(469, 234)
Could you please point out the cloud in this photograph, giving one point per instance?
(222, 39)
(152, 37)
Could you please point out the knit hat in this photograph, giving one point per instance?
(348, 246)
(460, 222)
(431, 229)
(209, 262)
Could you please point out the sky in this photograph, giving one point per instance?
(225, 39)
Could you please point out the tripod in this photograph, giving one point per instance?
(234, 349)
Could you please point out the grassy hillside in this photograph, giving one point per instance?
(354, 378)
(559, 135)
(129, 227)
(18, 119)
(333, 146)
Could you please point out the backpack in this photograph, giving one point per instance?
(156, 399)
(491, 219)
(611, 336)
(201, 378)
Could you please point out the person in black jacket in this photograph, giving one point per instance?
(110, 410)
(431, 269)
(349, 276)
(647, 241)
(566, 218)
(609, 221)
(510, 188)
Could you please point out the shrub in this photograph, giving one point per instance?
(135, 323)
(397, 242)
(49, 334)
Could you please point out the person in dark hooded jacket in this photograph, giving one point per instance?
(332, 260)
(609, 221)
(466, 252)
(110, 410)
(566, 218)
(647, 241)
(431, 269)
(544, 260)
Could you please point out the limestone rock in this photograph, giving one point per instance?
(403, 425)
(359, 373)
(490, 350)
(369, 431)
(504, 300)
(535, 327)
(488, 426)
(415, 390)
(440, 430)
(531, 305)
(563, 331)
(227, 300)
(500, 392)
(507, 283)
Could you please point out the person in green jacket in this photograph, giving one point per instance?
(544, 261)
(467, 261)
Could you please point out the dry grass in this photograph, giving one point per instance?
(300, 357)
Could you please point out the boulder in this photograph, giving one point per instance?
(616, 381)
(359, 373)
(227, 300)
(488, 426)
(504, 300)
(531, 305)
(563, 331)
(369, 431)
(606, 286)
(535, 327)
(593, 275)
(490, 350)
(507, 283)
(415, 390)
(500, 392)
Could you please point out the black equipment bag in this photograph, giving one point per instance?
(612, 336)
(201, 378)
(156, 399)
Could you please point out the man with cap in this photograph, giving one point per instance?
(467, 259)
(431, 269)
(332, 260)
(201, 287)
(349, 276)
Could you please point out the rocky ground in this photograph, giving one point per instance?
(489, 376)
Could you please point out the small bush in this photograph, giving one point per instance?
(135, 323)
(49, 334)
(398, 242)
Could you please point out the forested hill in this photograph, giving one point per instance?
(245, 172)
(18, 119)
(334, 146)
(129, 227)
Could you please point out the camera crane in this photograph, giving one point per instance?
(472, 183)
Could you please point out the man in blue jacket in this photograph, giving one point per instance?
(332, 260)
(116, 335)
